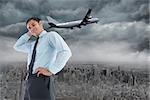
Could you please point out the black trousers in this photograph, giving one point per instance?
(39, 88)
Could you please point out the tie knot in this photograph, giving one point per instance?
(37, 37)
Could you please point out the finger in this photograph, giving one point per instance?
(39, 72)
(38, 69)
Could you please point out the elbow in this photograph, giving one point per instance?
(19, 48)
(66, 53)
(70, 53)
(15, 47)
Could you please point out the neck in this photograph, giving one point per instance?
(39, 33)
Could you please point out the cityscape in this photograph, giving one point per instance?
(83, 82)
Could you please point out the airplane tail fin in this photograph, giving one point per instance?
(52, 25)
(87, 16)
(51, 20)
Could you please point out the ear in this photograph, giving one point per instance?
(40, 23)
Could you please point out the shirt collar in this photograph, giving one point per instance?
(42, 33)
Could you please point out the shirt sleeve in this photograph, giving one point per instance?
(63, 52)
(22, 44)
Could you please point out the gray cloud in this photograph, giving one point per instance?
(10, 15)
(106, 52)
(121, 35)
(133, 33)
(120, 41)
(8, 54)
(108, 11)
(125, 10)
(13, 30)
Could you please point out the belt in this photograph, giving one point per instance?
(34, 75)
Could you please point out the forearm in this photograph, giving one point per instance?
(63, 52)
(21, 44)
(61, 60)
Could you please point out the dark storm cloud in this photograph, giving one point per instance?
(122, 33)
(134, 33)
(13, 30)
(114, 42)
(125, 10)
(14, 11)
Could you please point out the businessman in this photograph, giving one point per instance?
(47, 55)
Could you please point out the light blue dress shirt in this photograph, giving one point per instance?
(52, 52)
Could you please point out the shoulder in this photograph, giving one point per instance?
(53, 34)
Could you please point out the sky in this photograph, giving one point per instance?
(121, 35)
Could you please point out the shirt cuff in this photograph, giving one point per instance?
(53, 70)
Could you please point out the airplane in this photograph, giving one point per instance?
(86, 20)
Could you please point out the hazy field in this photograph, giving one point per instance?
(84, 82)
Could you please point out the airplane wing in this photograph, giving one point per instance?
(87, 16)
(51, 20)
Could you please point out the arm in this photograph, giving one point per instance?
(22, 44)
(63, 52)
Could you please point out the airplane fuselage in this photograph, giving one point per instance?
(86, 20)
(76, 23)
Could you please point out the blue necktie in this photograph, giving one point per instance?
(33, 57)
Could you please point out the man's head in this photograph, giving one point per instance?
(34, 25)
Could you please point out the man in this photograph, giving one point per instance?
(47, 55)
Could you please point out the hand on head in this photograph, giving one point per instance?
(34, 26)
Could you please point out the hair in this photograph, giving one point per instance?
(33, 18)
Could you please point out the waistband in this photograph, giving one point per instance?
(36, 76)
